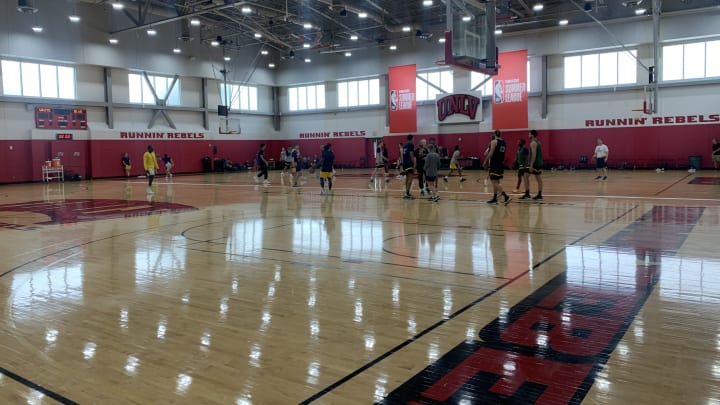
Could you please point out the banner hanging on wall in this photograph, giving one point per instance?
(401, 95)
(510, 101)
(458, 108)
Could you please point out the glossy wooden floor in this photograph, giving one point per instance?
(279, 295)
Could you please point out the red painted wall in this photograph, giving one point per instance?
(636, 146)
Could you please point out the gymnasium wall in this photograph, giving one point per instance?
(684, 125)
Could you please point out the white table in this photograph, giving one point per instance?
(53, 173)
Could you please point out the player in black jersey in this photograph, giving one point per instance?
(495, 161)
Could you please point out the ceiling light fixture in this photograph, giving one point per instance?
(308, 60)
(113, 41)
(258, 35)
(406, 29)
(271, 65)
(467, 18)
(362, 15)
(538, 7)
(246, 10)
(498, 32)
(264, 52)
(348, 54)
(74, 18)
(427, 3)
(640, 11)
(151, 32)
(353, 37)
(563, 22)
(441, 40)
(195, 22)
(227, 59)
(214, 43)
(393, 47)
(38, 29)
(307, 26)
(177, 50)
(306, 46)
(118, 6)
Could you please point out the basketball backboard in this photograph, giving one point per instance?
(470, 41)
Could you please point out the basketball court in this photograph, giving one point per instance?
(217, 290)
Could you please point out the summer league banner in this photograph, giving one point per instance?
(510, 100)
(402, 105)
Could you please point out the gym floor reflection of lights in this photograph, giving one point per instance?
(215, 290)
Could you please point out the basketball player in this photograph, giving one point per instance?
(126, 164)
(296, 165)
(431, 168)
(408, 165)
(168, 162)
(536, 165)
(381, 161)
(420, 154)
(454, 165)
(495, 161)
(523, 169)
(327, 161)
(715, 152)
(262, 165)
(600, 156)
(151, 167)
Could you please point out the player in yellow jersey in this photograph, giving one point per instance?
(151, 167)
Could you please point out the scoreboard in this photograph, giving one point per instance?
(60, 118)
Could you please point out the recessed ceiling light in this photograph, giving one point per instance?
(307, 26)
(37, 29)
(498, 32)
(118, 6)
(427, 3)
(258, 35)
(177, 50)
(563, 22)
(74, 18)
(264, 52)
(348, 54)
(246, 10)
(271, 65)
(306, 46)
(538, 7)
(640, 11)
(214, 43)
(151, 32)
(441, 40)
(362, 15)
(353, 37)
(467, 18)
(113, 41)
(227, 58)
(308, 60)
(195, 22)
(393, 47)
(406, 29)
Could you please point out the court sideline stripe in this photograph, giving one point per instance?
(37, 387)
(457, 313)
(670, 186)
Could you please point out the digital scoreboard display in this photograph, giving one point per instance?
(64, 137)
(60, 118)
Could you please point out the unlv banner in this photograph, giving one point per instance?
(509, 101)
(458, 108)
(402, 106)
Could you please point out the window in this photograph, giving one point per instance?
(696, 60)
(306, 97)
(600, 69)
(38, 80)
(357, 93)
(487, 88)
(241, 97)
(442, 79)
(141, 93)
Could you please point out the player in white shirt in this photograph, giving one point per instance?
(601, 155)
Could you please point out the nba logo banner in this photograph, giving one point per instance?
(509, 99)
(402, 104)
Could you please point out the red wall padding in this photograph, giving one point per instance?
(648, 147)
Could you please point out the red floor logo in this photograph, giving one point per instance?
(549, 348)
(26, 215)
